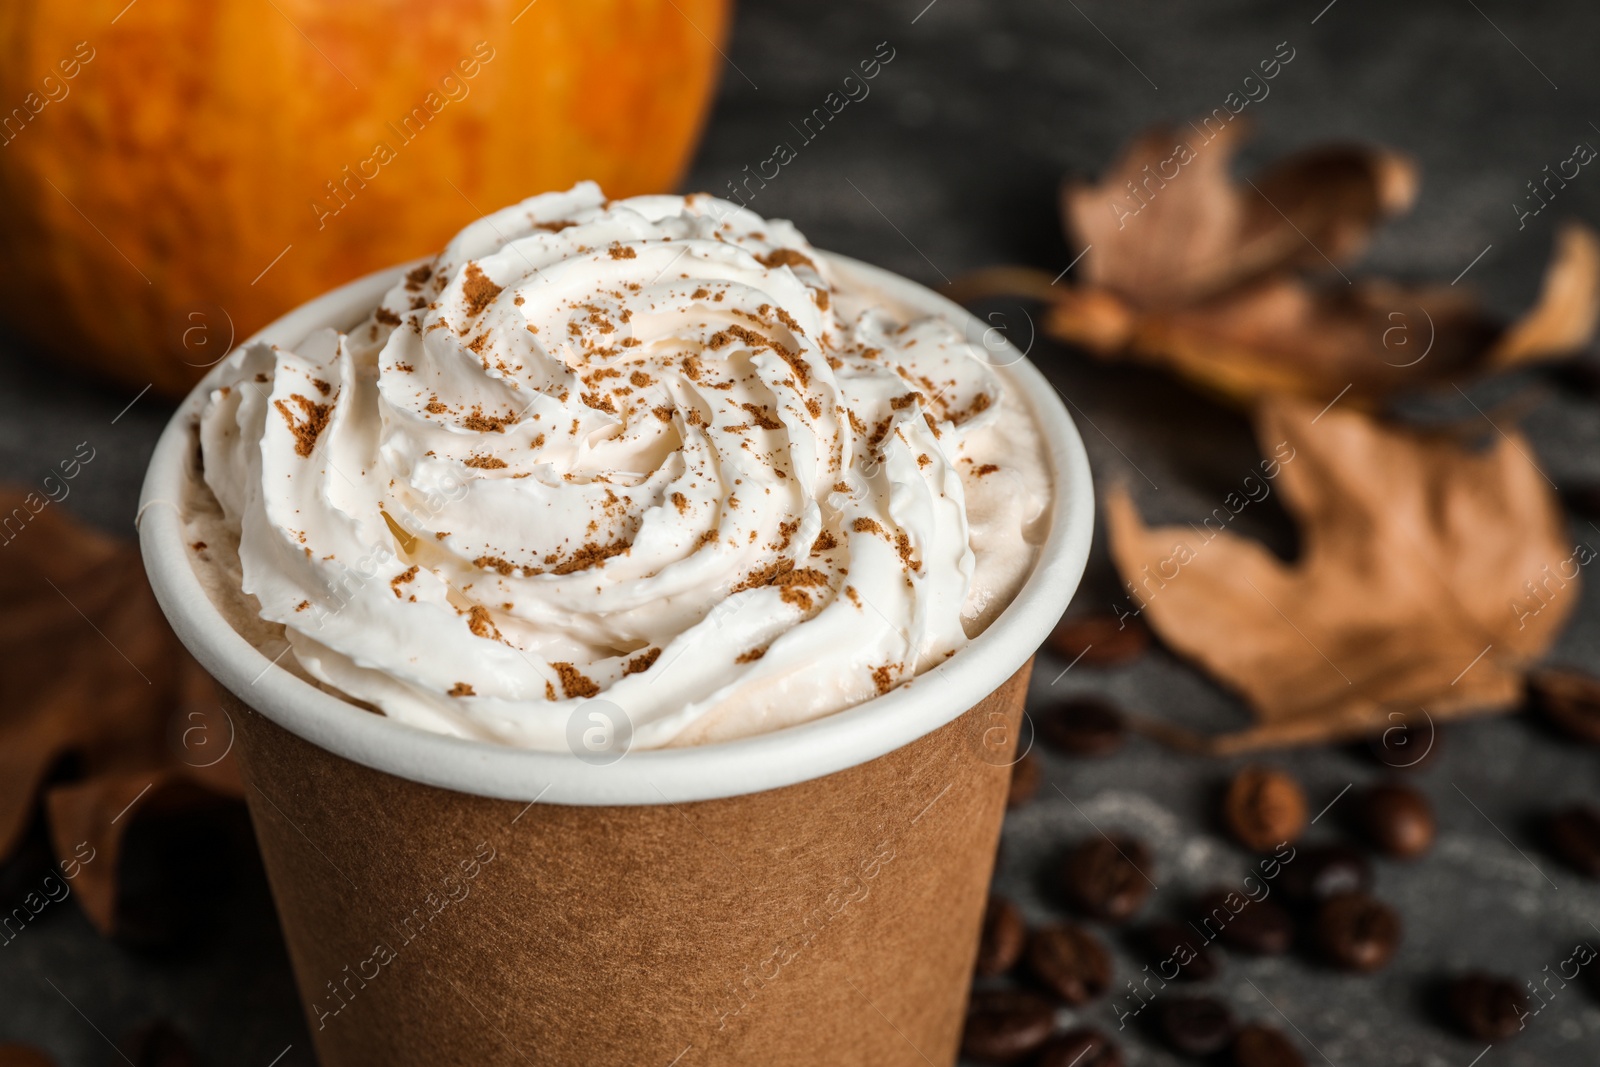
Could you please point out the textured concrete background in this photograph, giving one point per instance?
(950, 164)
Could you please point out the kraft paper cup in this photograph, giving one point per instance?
(809, 896)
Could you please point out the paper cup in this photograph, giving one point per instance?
(808, 896)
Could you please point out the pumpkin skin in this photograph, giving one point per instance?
(212, 164)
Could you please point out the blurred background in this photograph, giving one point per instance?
(952, 162)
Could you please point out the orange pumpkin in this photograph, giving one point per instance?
(175, 175)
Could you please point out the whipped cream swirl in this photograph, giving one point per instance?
(641, 451)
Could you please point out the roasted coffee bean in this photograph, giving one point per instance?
(1485, 1007)
(1574, 835)
(1106, 878)
(1584, 499)
(1005, 935)
(1258, 927)
(1080, 1048)
(1262, 1046)
(1083, 727)
(1099, 640)
(1569, 700)
(1194, 1026)
(1176, 952)
(1070, 962)
(1006, 1025)
(158, 1044)
(1264, 808)
(1024, 781)
(1406, 745)
(1315, 874)
(1397, 819)
(1357, 932)
(1577, 375)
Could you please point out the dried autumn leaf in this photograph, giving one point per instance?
(93, 672)
(1409, 591)
(1282, 335)
(1168, 226)
(1564, 320)
(1187, 269)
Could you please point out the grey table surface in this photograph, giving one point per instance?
(952, 163)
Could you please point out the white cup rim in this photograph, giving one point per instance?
(674, 775)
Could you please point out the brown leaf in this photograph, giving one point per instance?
(1409, 591)
(1187, 269)
(93, 672)
(1564, 320)
(1168, 226)
(1283, 335)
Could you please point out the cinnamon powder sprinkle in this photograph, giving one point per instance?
(883, 678)
(763, 575)
(416, 278)
(387, 317)
(495, 563)
(803, 576)
(401, 579)
(784, 257)
(461, 689)
(479, 622)
(485, 463)
(680, 502)
(478, 289)
(574, 682)
(622, 252)
(591, 555)
(825, 542)
(481, 423)
(987, 468)
(900, 403)
(308, 429)
(762, 417)
(902, 546)
(866, 525)
(751, 656)
(642, 662)
(792, 583)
